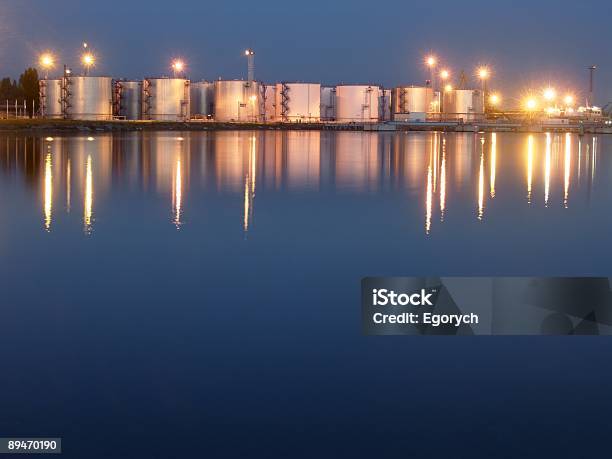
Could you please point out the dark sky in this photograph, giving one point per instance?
(527, 43)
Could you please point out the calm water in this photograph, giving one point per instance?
(166, 293)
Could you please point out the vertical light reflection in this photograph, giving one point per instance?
(481, 185)
(443, 181)
(579, 158)
(568, 162)
(429, 197)
(435, 150)
(547, 168)
(88, 201)
(68, 184)
(529, 166)
(250, 184)
(48, 198)
(594, 159)
(493, 162)
(177, 196)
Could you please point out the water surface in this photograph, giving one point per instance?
(165, 293)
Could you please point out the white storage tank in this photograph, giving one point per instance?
(128, 99)
(357, 103)
(463, 104)
(165, 99)
(51, 98)
(297, 102)
(268, 95)
(89, 98)
(202, 99)
(411, 100)
(238, 100)
(328, 103)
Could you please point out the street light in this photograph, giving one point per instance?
(88, 60)
(431, 62)
(484, 73)
(444, 74)
(47, 61)
(494, 99)
(448, 87)
(568, 100)
(178, 66)
(531, 104)
(550, 94)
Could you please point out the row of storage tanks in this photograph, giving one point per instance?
(178, 99)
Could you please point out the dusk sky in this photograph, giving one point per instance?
(526, 43)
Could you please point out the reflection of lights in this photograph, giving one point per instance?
(547, 168)
(443, 181)
(493, 162)
(568, 159)
(250, 184)
(178, 194)
(88, 202)
(429, 198)
(48, 197)
(481, 184)
(68, 184)
(529, 166)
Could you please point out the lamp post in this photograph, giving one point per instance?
(484, 73)
(431, 62)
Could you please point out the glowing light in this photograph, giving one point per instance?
(448, 87)
(178, 65)
(88, 60)
(47, 61)
(178, 194)
(568, 166)
(443, 182)
(249, 52)
(550, 94)
(568, 100)
(531, 104)
(481, 186)
(49, 139)
(444, 74)
(253, 98)
(483, 73)
(431, 61)
(90, 139)
(429, 198)
(494, 99)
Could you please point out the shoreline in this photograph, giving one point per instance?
(76, 126)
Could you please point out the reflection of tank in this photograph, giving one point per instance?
(268, 95)
(328, 103)
(463, 104)
(237, 100)
(298, 102)
(385, 105)
(88, 98)
(357, 161)
(128, 99)
(302, 154)
(411, 103)
(51, 98)
(202, 99)
(165, 99)
(357, 103)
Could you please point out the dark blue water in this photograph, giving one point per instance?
(183, 295)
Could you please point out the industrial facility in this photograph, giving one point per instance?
(178, 99)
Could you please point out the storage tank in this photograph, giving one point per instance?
(89, 98)
(297, 102)
(128, 99)
(202, 99)
(165, 99)
(328, 103)
(463, 104)
(385, 105)
(357, 103)
(237, 100)
(268, 95)
(51, 98)
(415, 101)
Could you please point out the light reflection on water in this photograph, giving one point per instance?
(438, 170)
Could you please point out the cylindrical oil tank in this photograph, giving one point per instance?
(51, 98)
(165, 99)
(268, 95)
(385, 105)
(357, 103)
(411, 100)
(237, 100)
(297, 102)
(463, 104)
(128, 99)
(202, 99)
(328, 103)
(89, 98)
